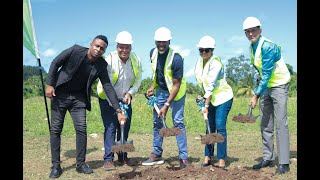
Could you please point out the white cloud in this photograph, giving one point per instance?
(49, 53)
(239, 51)
(237, 39)
(189, 73)
(183, 52)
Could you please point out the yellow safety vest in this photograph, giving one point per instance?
(135, 63)
(280, 74)
(222, 91)
(167, 73)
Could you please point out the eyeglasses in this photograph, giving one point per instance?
(207, 50)
(253, 30)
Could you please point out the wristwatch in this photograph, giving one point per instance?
(167, 104)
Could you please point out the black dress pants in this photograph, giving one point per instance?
(77, 108)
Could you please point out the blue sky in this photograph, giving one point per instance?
(60, 24)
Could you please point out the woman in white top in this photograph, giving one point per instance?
(218, 95)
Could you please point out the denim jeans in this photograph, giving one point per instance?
(77, 109)
(111, 126)
(217, 118)
(177, 108)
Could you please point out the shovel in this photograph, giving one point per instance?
(122, 145)
(210, 138)
(165, 131)
(249, 118)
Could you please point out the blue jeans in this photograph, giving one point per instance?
(111, 125)
(217, 118)
(177, 108)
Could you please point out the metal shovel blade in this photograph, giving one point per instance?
(210, 138)
(122, 145)
(165, 131)
(249, 118)
(127, 147)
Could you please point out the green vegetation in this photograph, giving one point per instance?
(240, 73)
(244, 140)
(35, 122)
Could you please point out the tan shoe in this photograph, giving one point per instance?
(108, 165)
(222, 163)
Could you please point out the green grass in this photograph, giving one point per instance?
(244, 140)
(35, 120)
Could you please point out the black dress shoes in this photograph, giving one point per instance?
(283, 168)
(262, 164)
(84, 168)
(56, 171)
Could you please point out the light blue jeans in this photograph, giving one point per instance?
(177, 109)
(217, 118)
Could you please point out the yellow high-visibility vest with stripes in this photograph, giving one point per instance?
(222, 91)
(115, 70)
(167, 73)
(280, 74)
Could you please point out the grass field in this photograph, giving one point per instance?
(244, 140)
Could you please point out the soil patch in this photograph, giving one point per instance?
(123, 148)
(195, 172)
(243, 119)
(165, 132)
(211, 138)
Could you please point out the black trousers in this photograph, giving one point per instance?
(76, 106)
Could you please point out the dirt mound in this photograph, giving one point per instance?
(243, 119)
(211, 138)
(195, 172)
(165, 132)
(122, 148)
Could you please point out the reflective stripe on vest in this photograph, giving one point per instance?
(280, 74)
(115, 70)
(222, 91)
(167, 73)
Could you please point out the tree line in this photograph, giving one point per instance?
(240, 74)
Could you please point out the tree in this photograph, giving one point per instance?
(32, 87)
(241, 75)
(29, 71)
(290, 68)
(145, 84)
(193, 88)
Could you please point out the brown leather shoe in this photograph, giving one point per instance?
(108, 165)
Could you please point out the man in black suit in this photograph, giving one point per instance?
(69, 89)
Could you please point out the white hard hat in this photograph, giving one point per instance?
(124, 37)
(250, 22)
(162, 34)
(206, 42)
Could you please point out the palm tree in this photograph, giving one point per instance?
(246, 85)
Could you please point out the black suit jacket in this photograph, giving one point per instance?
(69, 60)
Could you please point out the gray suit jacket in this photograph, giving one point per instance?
(69, 60)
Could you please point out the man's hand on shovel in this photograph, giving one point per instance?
(122, 117)
(127, 99)
(163, 111)
(254, 100)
